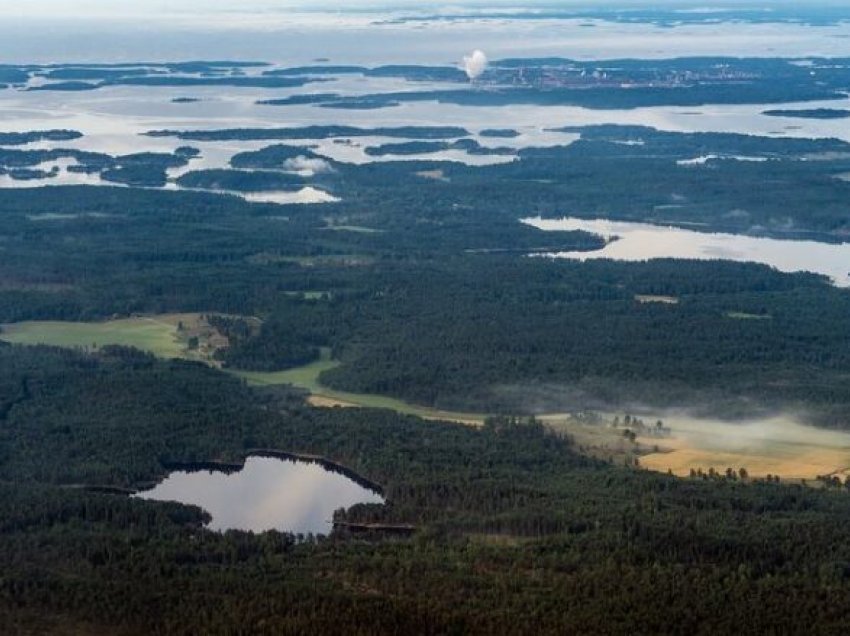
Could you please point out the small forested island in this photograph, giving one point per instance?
(814, 113)
(23, 138)
(504, 133)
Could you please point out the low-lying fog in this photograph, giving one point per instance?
(779, 445)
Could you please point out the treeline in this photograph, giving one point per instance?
(421, 314)
(240, 180)
(104, 251)
(279, 343)
(532, 335)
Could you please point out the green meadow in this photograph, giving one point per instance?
(155, 335)
(160, 336)
(307, 377)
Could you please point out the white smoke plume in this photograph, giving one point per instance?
(474, 64)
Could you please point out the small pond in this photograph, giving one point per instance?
(267, 494)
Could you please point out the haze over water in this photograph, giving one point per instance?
(112, 119)
(370, 33)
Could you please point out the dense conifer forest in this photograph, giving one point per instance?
(516, 532)
(420, 283)
(384, 301)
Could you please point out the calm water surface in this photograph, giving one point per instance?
(266, 494)
(643, 241)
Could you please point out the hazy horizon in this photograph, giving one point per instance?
(57, 31)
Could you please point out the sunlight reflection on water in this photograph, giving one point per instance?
(266, 494)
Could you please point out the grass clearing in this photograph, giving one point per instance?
(169, 335)
(165, 335)
(434, 175)
(54, 216)
(360, 229)
(309, 295)
(595, 436)
(307, 377)
(329, 260)
(663, 300)
(151, 335)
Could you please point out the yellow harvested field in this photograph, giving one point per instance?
(426, 413)
(778, 446)
(328, 402)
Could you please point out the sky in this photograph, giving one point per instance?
(299, 31)
(128, 9)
